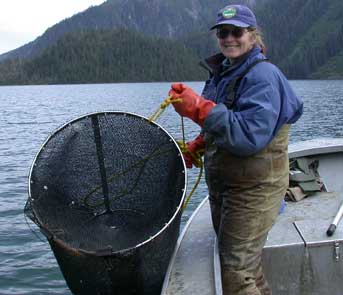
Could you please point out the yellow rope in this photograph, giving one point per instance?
(194, 187)
(196, 157)
(197, 162)
(162, 107)
(114, 176)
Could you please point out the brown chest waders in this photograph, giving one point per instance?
(245, 195)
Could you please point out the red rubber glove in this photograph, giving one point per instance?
(196, 146)
(192, 106)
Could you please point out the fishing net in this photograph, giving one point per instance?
(107, 190)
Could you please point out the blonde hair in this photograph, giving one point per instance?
(257, 35)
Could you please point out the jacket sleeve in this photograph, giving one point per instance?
(250, 127)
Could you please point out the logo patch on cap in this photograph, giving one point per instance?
(229, 12)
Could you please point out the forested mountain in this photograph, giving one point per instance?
(304, 38)
(157, 18)
(100, 56)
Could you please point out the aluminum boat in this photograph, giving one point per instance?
(299, 258)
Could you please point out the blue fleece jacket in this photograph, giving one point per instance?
(264, 102)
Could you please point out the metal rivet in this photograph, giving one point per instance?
(337, 252)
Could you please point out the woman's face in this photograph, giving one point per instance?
(234, 41)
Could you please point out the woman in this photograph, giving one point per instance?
(245, 112)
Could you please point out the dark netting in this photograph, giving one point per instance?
(106, 190)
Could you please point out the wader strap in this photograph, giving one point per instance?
(232, 87)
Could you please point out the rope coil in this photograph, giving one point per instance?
(162, 107)
(196, 157)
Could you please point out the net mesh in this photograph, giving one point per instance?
(106, 190)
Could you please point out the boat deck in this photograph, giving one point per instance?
(298, 258)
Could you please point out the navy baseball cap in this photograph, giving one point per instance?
(237, 15)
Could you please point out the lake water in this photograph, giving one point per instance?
(30, 113)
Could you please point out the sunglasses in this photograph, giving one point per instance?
(236, 32)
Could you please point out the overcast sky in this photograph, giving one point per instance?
(21, 21)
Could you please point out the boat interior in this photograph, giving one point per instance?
(299, 257)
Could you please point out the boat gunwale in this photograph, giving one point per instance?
(316, 146)
(178, 244)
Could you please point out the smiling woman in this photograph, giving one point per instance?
(234, 41)
(242, 39)
(245, 112)
(23, 21)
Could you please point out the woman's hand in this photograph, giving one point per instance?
(195, 150)
(192, 106)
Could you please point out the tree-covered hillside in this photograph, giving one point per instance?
(105, 56)
(170, 19)
(304, 35)
(304, 38)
